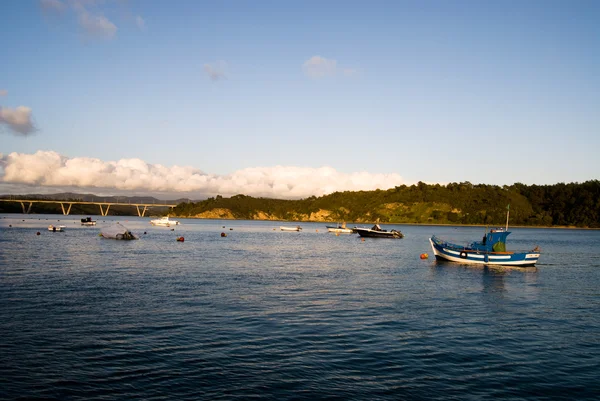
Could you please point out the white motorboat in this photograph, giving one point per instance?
(164, 222)
(56, 228)
(284, 228)
(377, 232)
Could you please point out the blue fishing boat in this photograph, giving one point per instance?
(491, 250)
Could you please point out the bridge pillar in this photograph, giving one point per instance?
(66, 213)
(104, 212)
(143, 212)
(28, 209)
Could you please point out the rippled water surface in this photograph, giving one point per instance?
(265, 314)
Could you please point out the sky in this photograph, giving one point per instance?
(292, 99)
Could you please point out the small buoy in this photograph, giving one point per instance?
(180, 239)
(317, 230)
(223, 226)
(144, 232)
(10, 225)
(424, 256)
(223, 235)
(362, 239)
(231, 229)
(38, 233)
(172, 229)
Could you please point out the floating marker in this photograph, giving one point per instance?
(424, 256)
(180, 239)
(223, 235)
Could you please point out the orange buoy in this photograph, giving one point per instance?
(223, 235)
(180, 239)
(362, 239)
(424, 256)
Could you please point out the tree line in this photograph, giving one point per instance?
(573, 204)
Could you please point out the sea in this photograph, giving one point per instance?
(241, 310)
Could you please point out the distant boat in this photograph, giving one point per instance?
(491, 250)
(117, 231)
(164, 222)
(56, 228)
(377, 232)
(88, 222)
(284, 228)
(340, 228)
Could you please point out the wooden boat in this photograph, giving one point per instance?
(491, 250)
(56, 228)
(284, 228)
(377, 232)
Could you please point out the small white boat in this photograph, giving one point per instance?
(284, 228)
(56, 228)
(88, 222)
(164, 222)
(340, 228)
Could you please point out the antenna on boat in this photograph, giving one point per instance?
(507, 214)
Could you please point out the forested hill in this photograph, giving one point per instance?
(575, 204)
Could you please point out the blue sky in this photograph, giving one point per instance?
(259, 96)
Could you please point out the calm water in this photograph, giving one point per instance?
(271, 315)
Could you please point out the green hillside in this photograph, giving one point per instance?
(575, 204)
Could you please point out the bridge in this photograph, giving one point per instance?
(104, 206)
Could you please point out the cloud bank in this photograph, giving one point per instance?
(45, 169)
(17, 120)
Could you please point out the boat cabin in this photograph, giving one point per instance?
(494, 241)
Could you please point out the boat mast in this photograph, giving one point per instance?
(507, 213)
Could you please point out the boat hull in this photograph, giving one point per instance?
(164, 222)
(290, 228)
(466, 256)
(365, 232)
(340, 230)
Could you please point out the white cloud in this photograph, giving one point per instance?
(141, 24)
(52, 7)
(17, 120)
(217, 70)
(319, 67)
(3, 92)
(49, 169)
(97, 25)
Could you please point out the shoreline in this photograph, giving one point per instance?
(329, 222)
